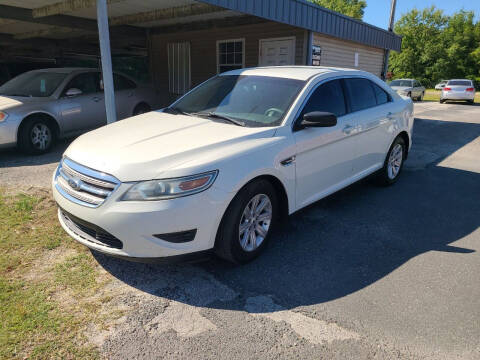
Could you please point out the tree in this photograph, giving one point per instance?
(436, 46)
(352, 8)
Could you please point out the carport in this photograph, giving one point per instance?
(188, 41)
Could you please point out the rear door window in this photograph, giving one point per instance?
(88, 83)
(360, 94)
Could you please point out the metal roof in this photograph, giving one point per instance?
(304, 14)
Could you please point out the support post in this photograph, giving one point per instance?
(106, 56)
(393, 5)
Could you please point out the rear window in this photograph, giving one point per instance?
(403, 83)
(460, 82)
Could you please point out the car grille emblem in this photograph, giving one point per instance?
(75, 183)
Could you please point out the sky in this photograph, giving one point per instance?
(377, 12)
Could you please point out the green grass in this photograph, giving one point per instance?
(434, 95)
(33, 322)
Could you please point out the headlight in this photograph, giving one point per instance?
(3, 116)
(170, 188)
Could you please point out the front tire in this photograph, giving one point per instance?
(248, 222)
(36, 136)
(393, 165)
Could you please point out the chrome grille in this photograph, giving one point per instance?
(83, 185)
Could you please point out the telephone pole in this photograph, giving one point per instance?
(393, 5)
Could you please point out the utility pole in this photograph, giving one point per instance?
(393, 5)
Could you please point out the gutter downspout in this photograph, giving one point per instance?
(309, 47)
(106, 56)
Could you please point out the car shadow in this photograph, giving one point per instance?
(342, 243)
(14, 157)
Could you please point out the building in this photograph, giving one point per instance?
(187, 41)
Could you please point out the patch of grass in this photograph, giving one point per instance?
(77, 273)
(34, 323)
(434, 95)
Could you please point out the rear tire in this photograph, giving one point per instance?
(246, 226)
(141, 108)
(36, 136)
(471, 102)
(442, 101)
(393, 165)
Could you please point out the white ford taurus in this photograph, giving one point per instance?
(218, 168)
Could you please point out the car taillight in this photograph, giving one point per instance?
(470, 89)
(447, 88)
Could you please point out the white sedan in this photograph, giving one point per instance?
(217, 170)
(458, 89)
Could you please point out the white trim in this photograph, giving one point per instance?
(294, 38)
(227, 41)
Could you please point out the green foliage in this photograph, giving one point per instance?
(352, 8)
(436, 46)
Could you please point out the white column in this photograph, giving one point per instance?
(106, 56)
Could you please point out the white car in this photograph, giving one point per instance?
(217, 169)
(441, 85)
(458, 89)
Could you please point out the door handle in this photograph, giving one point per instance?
(390, 115)
(347, 130)
(96, 99)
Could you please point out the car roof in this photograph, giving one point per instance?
(404, 79)
(291, 72)
(459, 80)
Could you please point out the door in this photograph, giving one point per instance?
(324, 156)
(125, 98)
(373, 117)
(276, 52)
(87, 110)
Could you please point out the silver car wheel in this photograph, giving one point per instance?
(395, 161)
(255, 222)
(41, 136)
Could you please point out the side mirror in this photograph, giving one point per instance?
(318, 119)
(73, 92)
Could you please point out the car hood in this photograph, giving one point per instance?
(144, 147)
(11, 102)
(401, 88)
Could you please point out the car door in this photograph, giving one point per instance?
(87, 110)
(324, 156)
(124, 96)
(371, 106)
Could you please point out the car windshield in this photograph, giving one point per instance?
(404, 83)
(251, 100)
(460, 82)
(33, 84)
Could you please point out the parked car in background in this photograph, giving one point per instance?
(218, 168)
(38, 107)
(409, 87)
(441, 85)
(458, 89)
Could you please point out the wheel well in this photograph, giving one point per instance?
(279, 189)
(405, 138)
(142, 103)
(50, 119)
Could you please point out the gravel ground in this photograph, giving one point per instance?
(368, 273)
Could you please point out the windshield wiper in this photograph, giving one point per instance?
(222, 117)
(173, 110)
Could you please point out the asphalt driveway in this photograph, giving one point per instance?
(366, 273)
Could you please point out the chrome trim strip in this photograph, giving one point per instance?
(90, 172)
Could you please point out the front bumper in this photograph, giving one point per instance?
(8, 133)
(454, 95)
(134, 223)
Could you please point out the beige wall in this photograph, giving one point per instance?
(203, 49)
(341, 53)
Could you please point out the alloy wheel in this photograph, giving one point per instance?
(255, 222)
(395, 161)
(41, 136)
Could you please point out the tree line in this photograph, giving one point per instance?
(436, 46)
